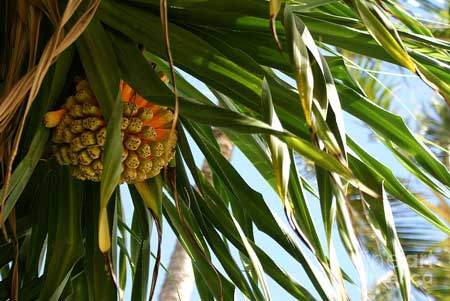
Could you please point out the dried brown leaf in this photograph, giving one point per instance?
(31, 82)
(164, 22)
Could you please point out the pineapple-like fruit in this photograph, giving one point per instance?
(79, 135)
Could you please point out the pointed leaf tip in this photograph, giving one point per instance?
(274, 9)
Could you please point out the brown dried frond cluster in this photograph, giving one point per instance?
(79, 135)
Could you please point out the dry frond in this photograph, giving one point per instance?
(30, 83)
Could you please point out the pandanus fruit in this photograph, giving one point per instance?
(79, 135)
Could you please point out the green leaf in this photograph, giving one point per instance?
(381, 28)
(151, 194)
(22, 173)
(301, 212)
(439, 84)
(101, 67)
(142, 260)
(254, 149)
(135, 69)
(67, 244)
(219, 286)
(384, 227)
(416, 171)
(99, 282)
(347, 232)
(254, 260)
(388, 125)
(257, 209)
(79, 287)
(122, 243)
(279, 151)
(219, 247)
(189, 51)
(111, 166)
(222, 251)
(300, 61)
(37, 140)
(409, 20)
(274, 8)
(40, 225)
(100, 64)
(222, 220)
(371, 169)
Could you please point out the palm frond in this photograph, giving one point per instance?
(427, 251)
(275, 106)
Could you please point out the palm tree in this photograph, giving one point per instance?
(426, 249)
(434, 126)
(179, 281)
(92, 70)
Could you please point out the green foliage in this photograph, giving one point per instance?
(230, 47)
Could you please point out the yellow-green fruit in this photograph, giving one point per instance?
(135, 125)
(84, 158)
(67, 120)
(94, 178)
(87, 171)
(76, 111)
(58, 134)
(88, 138)
(58, 157)
(82, 84)
(129, 174)
(124, 153)
(129, 109)
(101, 136)
(64, 153)
(77, 126)
(67, 135)
(89, 109)
(157, 149)
(132, 160)
(144, 150)
(159, 162)
(97, 165)
(84, 95)
(148, 133)
(124, 124)
(94, 152)
(79, 136)
(70, 102)
(76, 172)
(145, 114)
(93, 123)
(73, 158)
(76, 144)
(155, 171)
(140, 176)
(146, 165)
(132, 142)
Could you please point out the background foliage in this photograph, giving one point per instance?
(50, 222)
